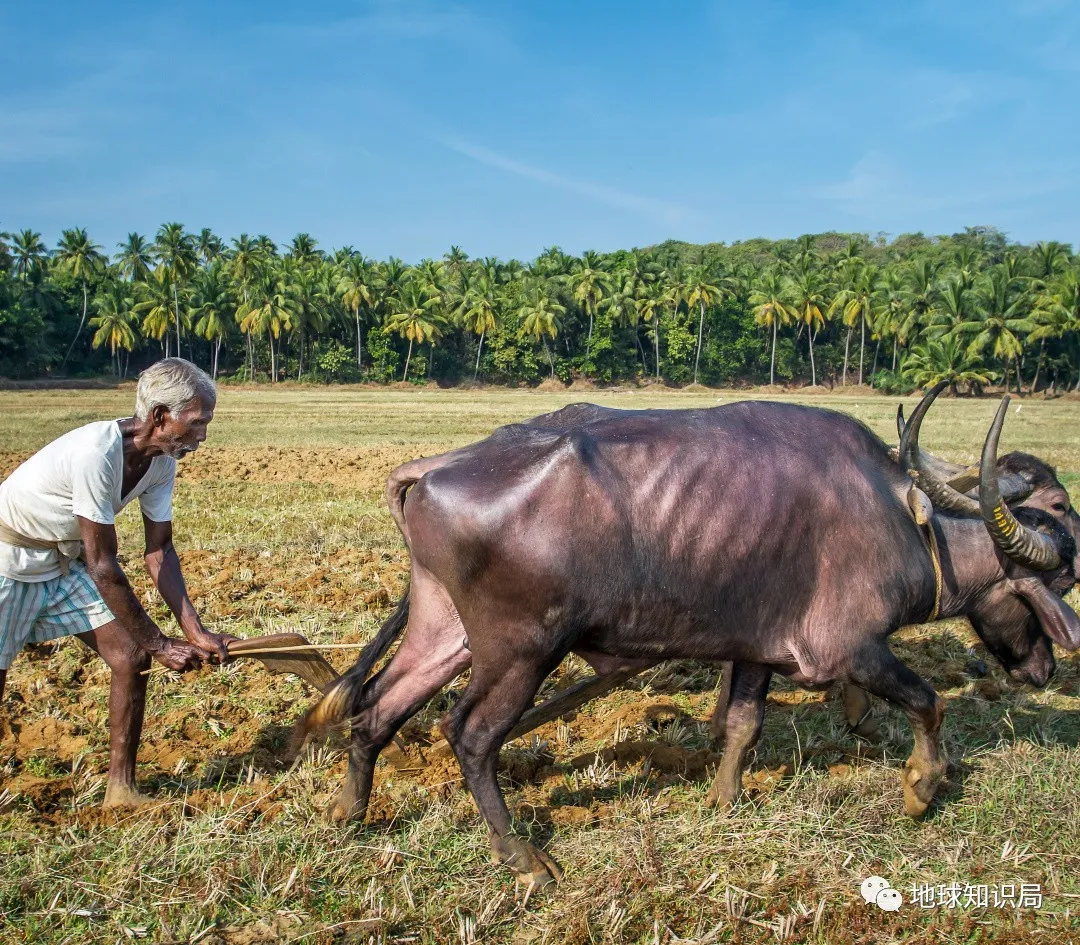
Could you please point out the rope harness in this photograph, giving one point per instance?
(922, 511)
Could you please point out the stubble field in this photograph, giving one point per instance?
(281, 525)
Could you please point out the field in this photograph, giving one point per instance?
(281, 525)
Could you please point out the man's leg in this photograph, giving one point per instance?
(127, 705)
(74, 608)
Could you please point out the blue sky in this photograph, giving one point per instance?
(400, 127)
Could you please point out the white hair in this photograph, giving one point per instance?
(172, 383)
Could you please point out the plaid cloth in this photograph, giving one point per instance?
(36, 612)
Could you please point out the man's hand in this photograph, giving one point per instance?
(213, 643)
(178, 655)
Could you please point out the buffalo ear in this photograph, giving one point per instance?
(1057, 619)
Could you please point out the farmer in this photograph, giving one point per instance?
(59, 573)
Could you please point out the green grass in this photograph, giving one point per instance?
(281, 523)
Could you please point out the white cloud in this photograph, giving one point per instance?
(661, 211)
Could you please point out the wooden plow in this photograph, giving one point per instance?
(293, 653)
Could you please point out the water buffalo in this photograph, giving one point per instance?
(1024, 481)
(776, 536)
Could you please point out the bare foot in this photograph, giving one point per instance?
(123, 796)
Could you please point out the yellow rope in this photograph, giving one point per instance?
(935, 559)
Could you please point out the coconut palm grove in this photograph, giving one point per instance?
(835, 309)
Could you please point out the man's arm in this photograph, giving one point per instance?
(164, 566)
(99, 551)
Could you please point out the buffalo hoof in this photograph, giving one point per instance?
(919, 788)
(532, 867)
(123, 797)
(344, 809)
(867, 728)
(722, 797)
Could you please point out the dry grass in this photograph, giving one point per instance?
(282, 524)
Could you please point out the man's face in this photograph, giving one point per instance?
(180, 434)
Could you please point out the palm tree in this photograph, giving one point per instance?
(135, 258)
(540, 315)
(115, 320)
(208, 246)
(807, 288)
(412, 317)
(1057, 315)
(1049, 258)
(478, 309)
(771, 309)
(176, 251)
(943, 359)
(649, 306)
(270, 311)
(855, 303)
(355, 285)
(590, 284)
(952, 307)
(212, 303)
(29, 250)
(701, 290)
(155, 305)
(454, 263)
(999, 321)
(309, 306)
(302, 247)
(82, 257)
(245, 263)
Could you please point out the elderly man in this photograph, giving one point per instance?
(59, 574)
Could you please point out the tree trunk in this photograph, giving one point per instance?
(1006, 360)
(772, 360)
(641, 351)
(588, 347)
(430, 360)
(217, 351)
(656, 345)
(813, 370)
(551, 360)
(176, 304)
(82, 321)
(1038, 366)
(479, 351)
(847, 346)
(408, 358)
(895, 347)
(862, 346)
(1019, 378)
(359, 345)
(700, 330)
(300, 370)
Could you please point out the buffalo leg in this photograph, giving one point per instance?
(431, 654)
(745, 712)
(476, 727)
(882, 674)
(718, 723)
(857, 710)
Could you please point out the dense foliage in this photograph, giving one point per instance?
(970, 308)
